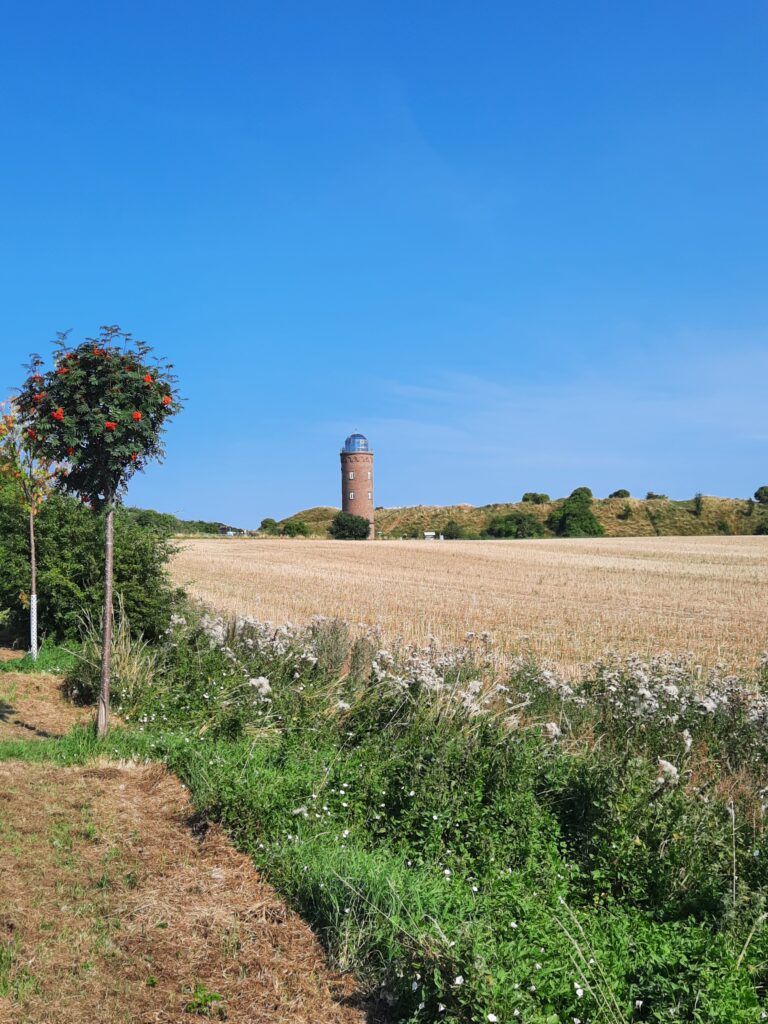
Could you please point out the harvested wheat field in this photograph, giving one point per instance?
(113, 910)
(569, 601)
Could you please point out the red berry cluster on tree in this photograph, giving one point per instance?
(101, 409)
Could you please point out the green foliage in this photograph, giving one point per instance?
(133, 662)
(575, 518)
(761, 495)
(346, 526)
(202, 1002)
(698, 504)
(71, 566)
(295, 528)
(750, 507)
(517, 524)
(270, 526)
(653, 496)
(167, 525)
(626, 512)
(453, 530)
(536, 497)
(621, 493)
(762, 528)
(428, 844)
(101, 411)
(51, 658)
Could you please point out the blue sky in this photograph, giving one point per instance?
(521, 246)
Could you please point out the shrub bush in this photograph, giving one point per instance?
(575, 517)
(269, 526)
(698, 504)
(452, 530)
(761, 495)
(653, 496)
(517, 524)
(536, 497)
(346, 526)
(71, 568)
(295, 528)
(621, 493)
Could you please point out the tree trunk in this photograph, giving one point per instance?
(33, 593)
(102, 719)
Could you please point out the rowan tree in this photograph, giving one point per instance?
(101, 411)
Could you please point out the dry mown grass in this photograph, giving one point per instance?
(566, 600)
(32, 706)
(111, 910)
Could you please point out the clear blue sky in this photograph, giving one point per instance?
(521, 246)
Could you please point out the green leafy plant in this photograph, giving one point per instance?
(295, 528)
(453, 530)
(346, 526)
(536, 497)
(202, 1001)
(575, 517)
(517, 524)
(270, 526)
(653, 496)
(698, 504)
(101, 411)
(621, 493)
(761, 495)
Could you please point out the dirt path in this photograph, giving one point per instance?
(117, 907)
(111, 910)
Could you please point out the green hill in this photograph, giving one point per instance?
(619, 517)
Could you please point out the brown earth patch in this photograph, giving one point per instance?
(111, 910)
(33, 707)
(6, 654)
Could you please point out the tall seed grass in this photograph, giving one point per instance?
(133, 665)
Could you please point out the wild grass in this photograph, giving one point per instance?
(565, 601)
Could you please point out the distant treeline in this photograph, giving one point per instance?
(166, 525)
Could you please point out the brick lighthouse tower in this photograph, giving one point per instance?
(357, 478)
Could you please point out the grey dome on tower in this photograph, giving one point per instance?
(356, 443)
(357, 478)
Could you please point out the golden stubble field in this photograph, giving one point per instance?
(569, 601)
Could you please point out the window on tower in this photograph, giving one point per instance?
(352, 474)
(351, 495)
(369, 474)
(370, 495)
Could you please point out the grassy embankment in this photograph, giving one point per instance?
(619, 517)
